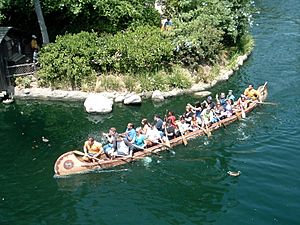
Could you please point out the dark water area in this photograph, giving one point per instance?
(187, 186)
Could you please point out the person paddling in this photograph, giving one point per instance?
(251, 93)
(92, 149)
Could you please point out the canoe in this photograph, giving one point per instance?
(71, 162)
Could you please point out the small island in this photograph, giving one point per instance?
(152, 50)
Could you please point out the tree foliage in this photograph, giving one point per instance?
(73, 16)
(74, 58)
(121, 37)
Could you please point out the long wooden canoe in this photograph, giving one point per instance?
(71, 162)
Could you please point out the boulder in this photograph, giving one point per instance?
(119, 98)
(202, 93)
(199, 87)
(132, 99)
(97, 103)
(157, 96)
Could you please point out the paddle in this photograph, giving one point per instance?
(207, 131)
(82, 154)
(238, 115)
(166, 142)
(267, 103)
(181, 133)
(219, 121)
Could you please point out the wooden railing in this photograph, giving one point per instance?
(21, 70)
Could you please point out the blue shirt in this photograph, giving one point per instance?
(131, 134)
(139, 140)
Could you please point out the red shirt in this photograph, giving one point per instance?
(172, 119)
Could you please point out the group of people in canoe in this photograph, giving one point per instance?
(161, 130)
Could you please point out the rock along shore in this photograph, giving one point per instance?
(199, 89)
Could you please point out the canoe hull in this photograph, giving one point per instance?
(71, 163)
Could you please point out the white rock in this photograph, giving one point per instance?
(77, 95)
(26, 91)
(133, 99)
(202, 93)
(97, 103)
(199, 87)
(157, 96)
(119, 98)
(108, 94)
(59, 94)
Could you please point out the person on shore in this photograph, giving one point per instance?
(34, 44)
(34, 49)
(167, 24)
(92, 149)
(251, 93)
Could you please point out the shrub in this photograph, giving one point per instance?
(68, 60)
(23, 81)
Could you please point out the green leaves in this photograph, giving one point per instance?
(74, 57)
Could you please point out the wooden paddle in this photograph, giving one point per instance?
(219, 121)
(267, 103)
(166, 140)
(181, 133)
(238, 115)
(207, 131)
(82, 154)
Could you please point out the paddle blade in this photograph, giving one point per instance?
(184, 141)
(78, 152)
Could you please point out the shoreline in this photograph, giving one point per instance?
(37, 93)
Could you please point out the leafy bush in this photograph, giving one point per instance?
(23, 82)
(142, 57)
(109, 83)
(68, 60)
(74, 58)
(137, 50)
(179, 78)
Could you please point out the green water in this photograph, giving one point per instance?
(188, 187)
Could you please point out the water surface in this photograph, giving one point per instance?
(188, 187)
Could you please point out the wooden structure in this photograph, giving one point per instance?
(71, 162)
(15, 57)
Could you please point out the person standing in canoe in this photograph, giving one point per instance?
(251, 93)
(92, 149)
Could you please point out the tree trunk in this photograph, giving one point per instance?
(39, 14)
